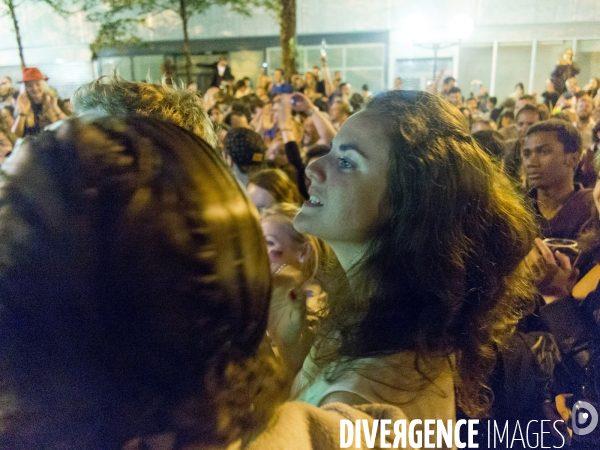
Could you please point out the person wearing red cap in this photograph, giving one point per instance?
(37, 107)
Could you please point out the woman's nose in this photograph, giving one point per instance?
(315, 171)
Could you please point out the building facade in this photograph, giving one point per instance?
(512, 41)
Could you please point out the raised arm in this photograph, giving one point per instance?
(290, 134)
(328, 83)
(23, 111)
(301, 102)
(288, 325)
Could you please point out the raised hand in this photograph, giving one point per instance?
(288, 325)
(23, 103)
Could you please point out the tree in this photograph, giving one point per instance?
(287, 24)
(119, 18)
(9, 8)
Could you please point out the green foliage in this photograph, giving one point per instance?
(116, 34)
(119, 19)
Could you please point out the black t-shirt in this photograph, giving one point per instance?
(550, 99)
(37, 123)
(321, 87)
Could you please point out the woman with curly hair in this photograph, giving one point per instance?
(432, 242)
(134, 300)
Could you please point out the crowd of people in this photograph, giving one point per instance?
(247, 267)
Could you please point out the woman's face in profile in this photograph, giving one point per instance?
(347, 185)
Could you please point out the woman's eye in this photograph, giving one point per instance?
(343, 163)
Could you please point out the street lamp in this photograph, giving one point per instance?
(417, 29)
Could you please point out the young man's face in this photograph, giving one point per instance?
(545, 162)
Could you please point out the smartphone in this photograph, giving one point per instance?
(323, 48)
(264, 65)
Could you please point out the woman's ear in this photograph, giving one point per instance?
(305, 252)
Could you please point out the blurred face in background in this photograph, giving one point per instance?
(472, 105)
(455, 98)
(281, 246)
(260, 196)
(278, 76)
(585, 106)
(311, 135)
(276, 153)
(524, 120)
(35, 90)
(216, 116)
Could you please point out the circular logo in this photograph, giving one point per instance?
(585, 418)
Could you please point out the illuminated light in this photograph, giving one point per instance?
(460, 26)
(415, 28)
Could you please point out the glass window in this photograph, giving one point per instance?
(514, 61)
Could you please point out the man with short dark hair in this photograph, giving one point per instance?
(550, 155)
(221, 73)
(524, 100)
(455, 96)
(446, 86)
(279, 84)
(584, 123)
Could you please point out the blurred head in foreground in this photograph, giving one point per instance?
(134, 291)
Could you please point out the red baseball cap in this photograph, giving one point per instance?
(32, 74)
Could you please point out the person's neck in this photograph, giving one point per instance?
(348, 254)
(551, 199)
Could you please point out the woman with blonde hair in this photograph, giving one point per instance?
(37, 106)
(309, 260)
(268, 187)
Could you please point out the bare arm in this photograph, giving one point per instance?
(322, 123)
(328, 84)
(283, 114)
(288, 327)
(434, 87)
(23, 110)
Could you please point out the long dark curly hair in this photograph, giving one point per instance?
(134, 292)
(443, 274)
